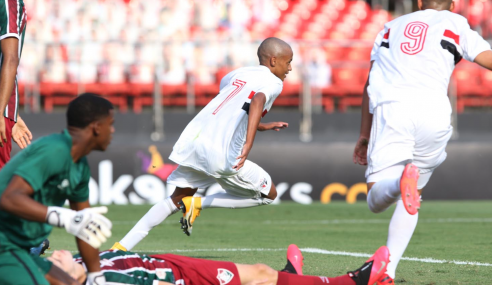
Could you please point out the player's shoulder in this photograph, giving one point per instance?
(436, 16)
(259, 73)
(55, 143)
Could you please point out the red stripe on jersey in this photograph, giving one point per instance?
(264, 113)
(13, 16)
(387, 35)
(251, 95)
(455, 37)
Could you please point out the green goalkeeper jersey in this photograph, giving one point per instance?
(48, 167)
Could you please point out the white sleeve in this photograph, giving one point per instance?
(377, 44)
(226, 80)
(271, 92)
(472, 44)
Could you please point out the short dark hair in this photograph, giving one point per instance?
(441, 4)
(87, 108)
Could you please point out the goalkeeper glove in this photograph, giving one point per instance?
(88, 224)
(95, 278)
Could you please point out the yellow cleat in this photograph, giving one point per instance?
(191, 207)
(118, 246)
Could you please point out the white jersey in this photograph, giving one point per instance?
(415, 55)
(215, 137)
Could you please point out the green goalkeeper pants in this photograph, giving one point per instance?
(18, 267)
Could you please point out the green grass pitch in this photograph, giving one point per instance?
(449, 231)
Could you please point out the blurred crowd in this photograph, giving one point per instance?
(112, 41)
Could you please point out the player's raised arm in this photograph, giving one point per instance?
(484, 59)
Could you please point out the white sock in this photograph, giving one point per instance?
(158, 213)
(400, 232)
(383, 194)
(224, 200)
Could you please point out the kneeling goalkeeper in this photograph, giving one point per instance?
(35, 184)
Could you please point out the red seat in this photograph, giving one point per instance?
(172, 95)
(487, 82)
(54, 92)
(469, 89)
(349, 84)
(116, 93)
(289, 95)
(468, 82)
(360, 53)
(348, 80)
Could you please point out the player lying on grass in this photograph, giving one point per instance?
(406, 113)
(35, 184)
(123, 267)
(215, 145)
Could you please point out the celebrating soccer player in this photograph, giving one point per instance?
(35, 184)
(406, 114)
(215, 145)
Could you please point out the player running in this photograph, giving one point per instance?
(123, 267)
(215, 145)
(35, 184)
(406, 113)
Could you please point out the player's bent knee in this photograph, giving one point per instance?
(374, 209)
(180, 193)
(273, 193)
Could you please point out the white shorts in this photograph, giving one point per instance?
(250, 182)
(409, 131)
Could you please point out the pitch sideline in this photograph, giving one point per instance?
(337, 221)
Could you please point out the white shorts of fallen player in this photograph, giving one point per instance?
(408, 132)
(250, 182)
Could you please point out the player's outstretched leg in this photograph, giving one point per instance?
(191, 207)
(408, 188)
(368, 274)
(294, 260)
(156, 215)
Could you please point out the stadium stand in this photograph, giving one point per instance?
(119, 48)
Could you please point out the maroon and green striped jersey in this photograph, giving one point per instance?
(13, 20)
(124, 267)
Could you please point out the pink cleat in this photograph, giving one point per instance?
(373, 269)
(408, 187)
(294, 257)
(386, 280)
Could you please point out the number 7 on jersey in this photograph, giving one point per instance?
(239, 85)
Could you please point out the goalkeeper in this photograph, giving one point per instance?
(35, 184)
